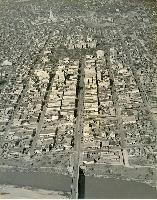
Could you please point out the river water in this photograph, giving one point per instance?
(94, 187)
(117, 189)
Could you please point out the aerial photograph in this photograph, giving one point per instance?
(78, 99)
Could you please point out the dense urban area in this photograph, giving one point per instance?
(78, 87)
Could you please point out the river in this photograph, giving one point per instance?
(94, 187)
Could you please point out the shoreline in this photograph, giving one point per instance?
(60, 172)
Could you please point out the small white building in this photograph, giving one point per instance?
(6, 63)
(100, 54)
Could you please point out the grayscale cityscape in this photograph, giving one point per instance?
(78, 99)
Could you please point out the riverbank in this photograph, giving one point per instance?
(15, 192)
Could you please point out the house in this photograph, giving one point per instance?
(100, 54)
